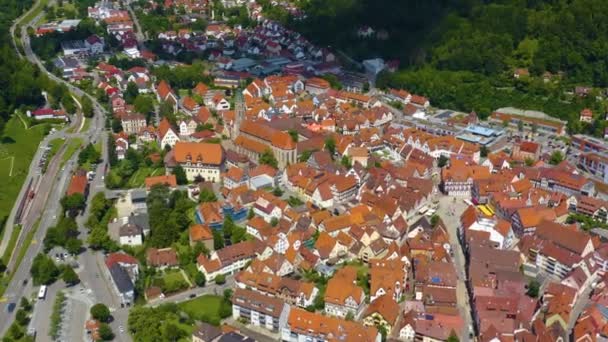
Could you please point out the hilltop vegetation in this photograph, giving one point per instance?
(462, 54)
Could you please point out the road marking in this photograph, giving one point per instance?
(34, 242)
(3, 299)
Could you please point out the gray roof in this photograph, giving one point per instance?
(140, 219)
(66, 62)
(207, 332)
(235, 337)
(121, 279)
(138, 195)
(129, 229)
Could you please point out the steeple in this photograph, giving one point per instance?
(239, 113)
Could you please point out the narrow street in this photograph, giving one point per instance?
(450, 209)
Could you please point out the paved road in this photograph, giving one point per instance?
(450, 212)
(48, 210)
(139, 34)
(16, 289)
(197, 292)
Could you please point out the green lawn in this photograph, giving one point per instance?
(138, 178)
(86, 125)
(171, 281)
(73, 145)
(11, 245)
(29, 239)
(203, 308)
(17, 149)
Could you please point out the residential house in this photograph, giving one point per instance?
(133, 123)
(259, 310)
(161, 258)
(384, 312)
(131, 234)
(167, 135)
(200, 233)
(164, 93)
(343, 296)
(305, 326)
(227, 260)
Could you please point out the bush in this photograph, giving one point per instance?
(220, 279)
(105, 332)
(199, 279)
(100, 312)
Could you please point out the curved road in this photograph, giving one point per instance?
(46, 210)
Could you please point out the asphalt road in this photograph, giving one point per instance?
(450, 211)
(46, 206)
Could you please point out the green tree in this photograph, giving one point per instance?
(483, 151)
(170, 332)
(43, 271)
(453, 337)
(556, 157)
(25, 304)
(294, 135)
(277, 191)
(218, 240)
(250, 214)
(88, 154)
(73, 246)
(69, 276)
(180, 175)
(220, 279)
(73, 204)
(105, 332)
(305, 156)
(207, 195)
(131, 93)
(346, 162)
(199, 279)
(533, 288)
(100, 312)
(330, 146)
(87, 107)
(274, 221)
(268, 158)
(443, 161)
(520, 126)
(143, 104)
(435, 220)
(22, 317)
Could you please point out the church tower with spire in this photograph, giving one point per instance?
(239, 113)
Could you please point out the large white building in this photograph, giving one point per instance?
(199, 159)
(259, 310)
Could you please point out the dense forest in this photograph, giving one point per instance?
(462, 53)
(21, 82)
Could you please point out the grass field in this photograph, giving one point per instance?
(11, 245)
(138, 178)
(203, 308)
(86, 125)
(73, 146)
(17, 149)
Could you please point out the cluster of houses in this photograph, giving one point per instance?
(118, 24)
(337, 198)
